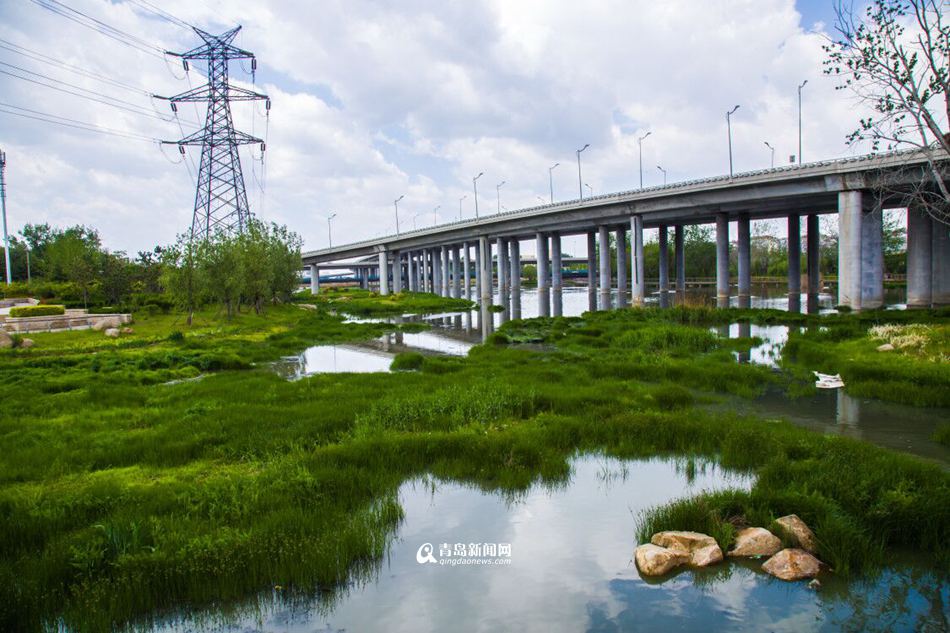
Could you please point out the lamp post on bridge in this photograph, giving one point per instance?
(418, 215)
(729, 130)
(664, 174)
(460, 205)
(396, 205)
(435, 218)
(769, 145)
(640, 144)
(580, 182)
(802, 85)
(498, 194)
(551, 179)
(590, 190)
(475, 187)
(329, 230)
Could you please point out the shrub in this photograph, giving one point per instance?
(407, 361)
(37, 311)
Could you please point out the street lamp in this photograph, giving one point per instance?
(435, 217)
(640, 143)
(551, 179)
(475, 187)
(498, 194)
(729, 128)
(329, 232)
(580, 184)
(590, 190)
(396, 204)
(664, 174)
(414, 219)
(802, 85)
(540, 199)
(767, 144)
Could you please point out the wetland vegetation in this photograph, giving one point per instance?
(129, 488)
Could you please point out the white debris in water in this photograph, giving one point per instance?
(828, 381)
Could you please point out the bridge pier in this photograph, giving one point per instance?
(446, 272)
(484, 246)
(503, 272)
(940, 265)
(680, 264)
(478, 271)
(397, 272)
(663, 239)
(591, 271)
(622, 288)
(850, 214)
(544, 299)
(638, 295)
(722, 261)
(515, 279)
(557, 276)
(467, 270)
(794, 244)
(456, 272)
(604, 253)
(813, 265)
(436, 256)
(920, 239)
(872, 257)
(314, 279)
(383, 273)
(745, 261)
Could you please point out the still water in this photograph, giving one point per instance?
(570, 568)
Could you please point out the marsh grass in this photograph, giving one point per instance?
(121, 498)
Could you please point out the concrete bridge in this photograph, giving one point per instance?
(439, 259)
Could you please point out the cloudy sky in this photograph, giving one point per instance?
(373, 100)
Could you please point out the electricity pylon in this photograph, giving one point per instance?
(220, 199)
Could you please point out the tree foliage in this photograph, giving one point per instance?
(894, 58)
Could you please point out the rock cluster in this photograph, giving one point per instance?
(671, 549)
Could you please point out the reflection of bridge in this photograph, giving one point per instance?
(439, 259)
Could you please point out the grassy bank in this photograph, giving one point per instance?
(122, 497)
(367, 303)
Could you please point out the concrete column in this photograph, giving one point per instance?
(745, 262)
(794, 243)
(502, 246)
(467, 270)
(484, 245)
(850, 214)
(919, 248)
(813, 246)
(446, 275)
(872, 258)
(437, 271)
(478, 271)
(557, 276)
(679, 260)
(544, 277)
(410, 271)
(940, 265)
(622, 288)
(515, 279)
(663, 238)
(397, 272)
(722, 261)
(591, 271)
(639, 294)
(383, 273)
(456, 272)
(314, 279)
(604, 252)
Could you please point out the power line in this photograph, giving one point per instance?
(59, 8)
(165, 15)
(92, 94)
(46, 117)
(52, 61)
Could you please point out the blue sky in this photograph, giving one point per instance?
(373, 100)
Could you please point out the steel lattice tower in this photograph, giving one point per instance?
(220, 199)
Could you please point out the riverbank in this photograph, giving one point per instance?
(123, 497)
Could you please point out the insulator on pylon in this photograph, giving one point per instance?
(253, 64)
(263, 147)
(181, 148)
(174, 107)
(267, 105)
(184, 63)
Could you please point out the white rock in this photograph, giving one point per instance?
(107, 322)
(112, 332)
(755, 541)
(702, 549)
(653, 560)
(792, 564)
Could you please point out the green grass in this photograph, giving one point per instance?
(367, 303)
(121, 497)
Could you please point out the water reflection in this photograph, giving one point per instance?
(571, 570)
